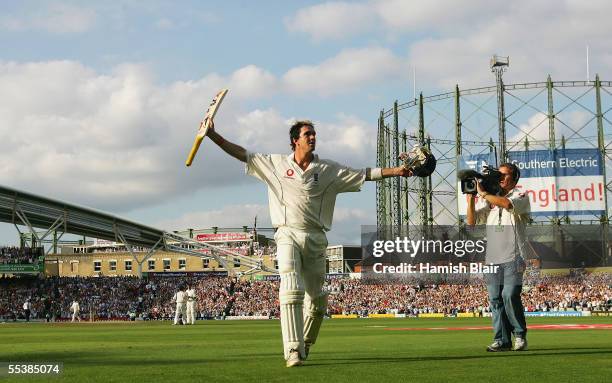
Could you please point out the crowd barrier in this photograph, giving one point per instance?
(431, 315)
(381, 315)
(466, 315)
(570, 313)
(554, 313)
(252, 317)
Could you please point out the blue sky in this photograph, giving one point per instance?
(100, 101)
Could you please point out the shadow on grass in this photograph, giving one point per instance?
(100, 358)
(485, 355)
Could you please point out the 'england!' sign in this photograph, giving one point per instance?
(560, 182)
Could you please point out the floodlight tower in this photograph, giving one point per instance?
(499, 65)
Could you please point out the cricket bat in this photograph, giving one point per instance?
(205, 124)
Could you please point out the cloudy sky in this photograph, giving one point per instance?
(100, 101)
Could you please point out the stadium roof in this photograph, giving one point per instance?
(33, 211)
(30, 210)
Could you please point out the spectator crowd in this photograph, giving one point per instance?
(123, 298)
(26, 255)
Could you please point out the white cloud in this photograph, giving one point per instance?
(400, 15)
(332, 20)
(350, 69)
(341, 20)
(55, 18)
(251, 82)
(570, 124)
(535, 128)
(112, 141)
(348, 140)
(450, 42)
(539, 38)
(118, 141)
(264, 131)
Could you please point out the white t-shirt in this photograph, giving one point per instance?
(75, 307)
(300, 199)
(506, 238)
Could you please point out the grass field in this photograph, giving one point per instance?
(352, 350)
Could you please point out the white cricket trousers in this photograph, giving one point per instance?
(180, 311)
(191, 312)
(301, 264)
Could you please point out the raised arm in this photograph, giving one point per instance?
(380, 173)
(475, 215)
(236, 151)
(492, 199)
(471, 210)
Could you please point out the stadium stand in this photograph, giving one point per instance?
(125, 298)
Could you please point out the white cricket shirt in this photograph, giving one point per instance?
(506, 238)
(301, 199)
(191, 295)
(180, 297)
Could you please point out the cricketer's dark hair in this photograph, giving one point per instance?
(294, 132)
(516, 173)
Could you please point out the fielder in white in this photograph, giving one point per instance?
(302, 191)
(181, 299)
(76, 309)
(191, 304)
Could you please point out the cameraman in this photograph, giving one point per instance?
(505, 216)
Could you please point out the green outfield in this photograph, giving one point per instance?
(348, 350)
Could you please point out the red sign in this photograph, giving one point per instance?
(238, 250)
(223, 237)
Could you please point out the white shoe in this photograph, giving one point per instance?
(520, 344)
(294, 359)
(497, 346)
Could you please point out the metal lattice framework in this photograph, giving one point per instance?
(500, 119)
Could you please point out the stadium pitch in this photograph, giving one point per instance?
(372, 350)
